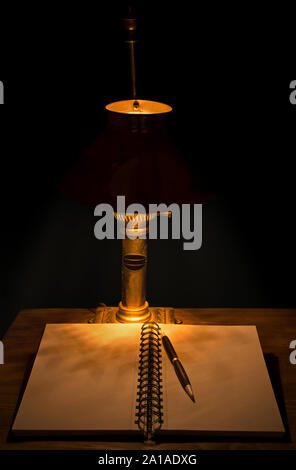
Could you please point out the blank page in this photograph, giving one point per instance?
(84, 379)
(230, 381)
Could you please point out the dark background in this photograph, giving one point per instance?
(226, 71)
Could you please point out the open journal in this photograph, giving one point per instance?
(116, 378)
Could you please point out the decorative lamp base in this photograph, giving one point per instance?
(135, 315)
(113, 315)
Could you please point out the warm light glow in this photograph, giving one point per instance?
(139, 217)
(143, 107)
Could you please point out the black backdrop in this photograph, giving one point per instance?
(226, 71)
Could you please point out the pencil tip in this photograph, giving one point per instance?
(189, 392)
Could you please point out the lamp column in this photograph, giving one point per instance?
(133, 306)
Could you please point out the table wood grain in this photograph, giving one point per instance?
(276, 329)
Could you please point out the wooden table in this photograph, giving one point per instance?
(276, 328)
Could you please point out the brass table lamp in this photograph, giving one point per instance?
(133, 157)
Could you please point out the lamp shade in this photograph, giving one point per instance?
(133, 157)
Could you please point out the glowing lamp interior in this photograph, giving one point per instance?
(138, 107)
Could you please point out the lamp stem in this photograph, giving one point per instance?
(133, 68)
(130, 24)
(133, 306)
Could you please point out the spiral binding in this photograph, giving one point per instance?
(149, 396)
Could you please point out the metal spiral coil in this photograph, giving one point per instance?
(149, 396)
